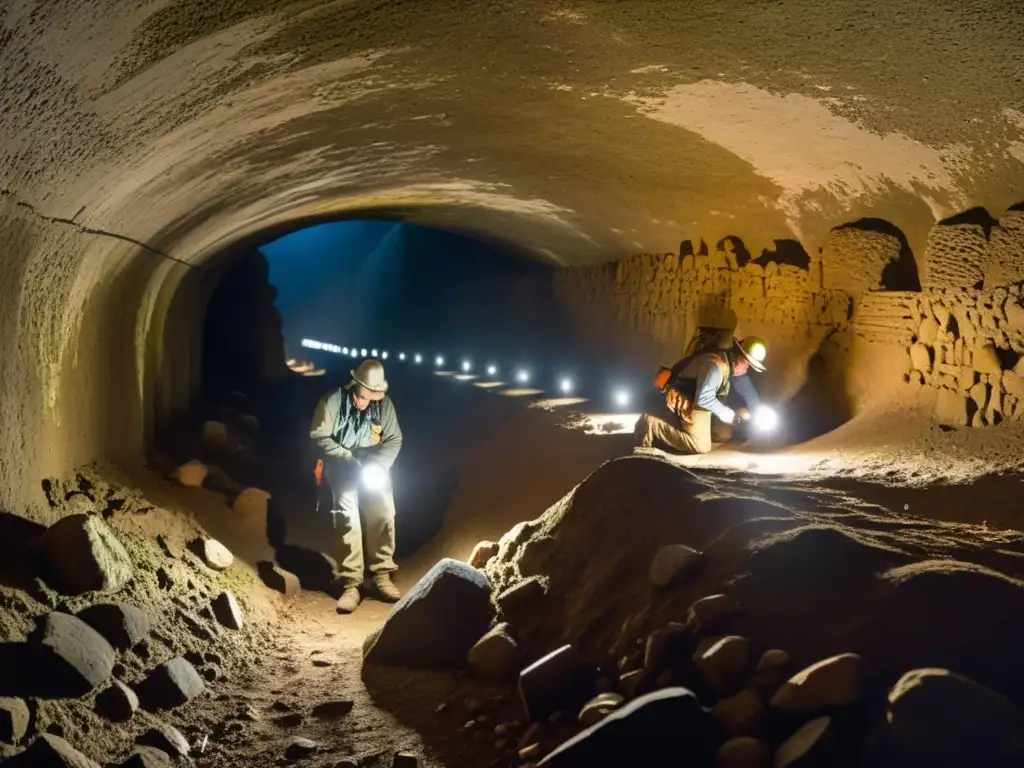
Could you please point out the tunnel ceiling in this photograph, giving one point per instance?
(581, 131)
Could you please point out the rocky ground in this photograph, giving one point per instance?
(713, 616)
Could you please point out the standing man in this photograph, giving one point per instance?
(356, 435)
(693, 388)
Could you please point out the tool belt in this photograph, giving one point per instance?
(682, 403)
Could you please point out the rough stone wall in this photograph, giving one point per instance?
(958, 341)
(651, 304)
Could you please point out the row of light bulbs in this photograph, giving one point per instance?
(622, 396)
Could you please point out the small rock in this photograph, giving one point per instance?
(666, 722)
(743, 752)
(251, 503)
(214, 554)
(530, 752)
(942, 719)
(117, 703)
(496, 655)
(191, 475)
(215, 433)
(166, 738)
(122, 625)
(217, 479)
(300, 747)
(419, 632)
(227, 611)
(560, 679)
(14, 719)
(482, 553)
(148, 757)
(170, 685)
(673, 564)
(80, 504)
(599, 707)
(74, 657)
(708, 611)
(50, 751)
(773, 658)
(290, 720)
(529, 736)
(724, 665)
(322, 663)
(629, 681)
(741, 715)
(405, 760)
(170, 547)
(82, 554)
(333, 708)
(665, 647)
(524, 595)
(811, 745)
(832, 682)
(278, 579)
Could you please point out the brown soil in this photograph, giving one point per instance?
(820, 561)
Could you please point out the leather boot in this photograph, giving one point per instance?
(386, 589)
(349, 600)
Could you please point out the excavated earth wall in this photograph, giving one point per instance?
(953, 334)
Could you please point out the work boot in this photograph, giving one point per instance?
(349, 600)
(386, 589)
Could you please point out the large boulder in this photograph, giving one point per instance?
(122, 625)
(669, 722)
(939, 718)
(72, 658)
(50, 751)
(82, 554)
(437, 621)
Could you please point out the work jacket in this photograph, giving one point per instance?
(706, 378)
(340, 430)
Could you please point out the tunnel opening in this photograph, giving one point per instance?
(787, 252)
(901, 272)
(378, 288)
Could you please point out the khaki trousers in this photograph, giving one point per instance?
(678, 437)
(364, 524)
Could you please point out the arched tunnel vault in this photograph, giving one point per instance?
(139, 140)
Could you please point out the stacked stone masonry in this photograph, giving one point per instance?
(962, 330)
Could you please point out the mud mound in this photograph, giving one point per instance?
(954, 615)
(816, 580)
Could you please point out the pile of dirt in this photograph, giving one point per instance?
(115, 619)
(814, 574)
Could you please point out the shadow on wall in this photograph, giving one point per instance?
(900, 273)
(823, 403)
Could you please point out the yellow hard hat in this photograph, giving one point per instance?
(755, 350)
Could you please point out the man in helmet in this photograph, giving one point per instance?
(693, 390)
(356, 436)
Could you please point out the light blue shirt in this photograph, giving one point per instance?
(708, 378)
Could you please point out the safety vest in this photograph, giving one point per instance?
(680, 393)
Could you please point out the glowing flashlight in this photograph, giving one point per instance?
(523, 376)
(354, 353)
(344, 350)
(362, 353)
(764, 419)
(565, 385)
(466, 366)
(384, 355)
(401, 355)
(373, 476)
(418, 359)
(622, 397)
(373, 353)
(492, 370)
(438, 361)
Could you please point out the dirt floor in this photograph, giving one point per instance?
(889, 484)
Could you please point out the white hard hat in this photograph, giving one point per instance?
(370, 375)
